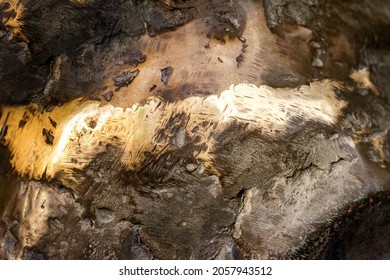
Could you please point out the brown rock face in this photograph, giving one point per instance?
(194, 129)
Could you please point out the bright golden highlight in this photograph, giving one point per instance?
(70, 137)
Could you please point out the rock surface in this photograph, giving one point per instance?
(194, 129)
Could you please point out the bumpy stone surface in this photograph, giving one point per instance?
(194, 129)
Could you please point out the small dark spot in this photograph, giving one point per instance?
(108, 95)
(147, 154)
(207, 46)
(92, 123)
(153, 87)
(239, 59)
(125, 78)
(22, 123)
(220, 60)
(53, 123)
(195, 129)
(166, 74)
(48, 134)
